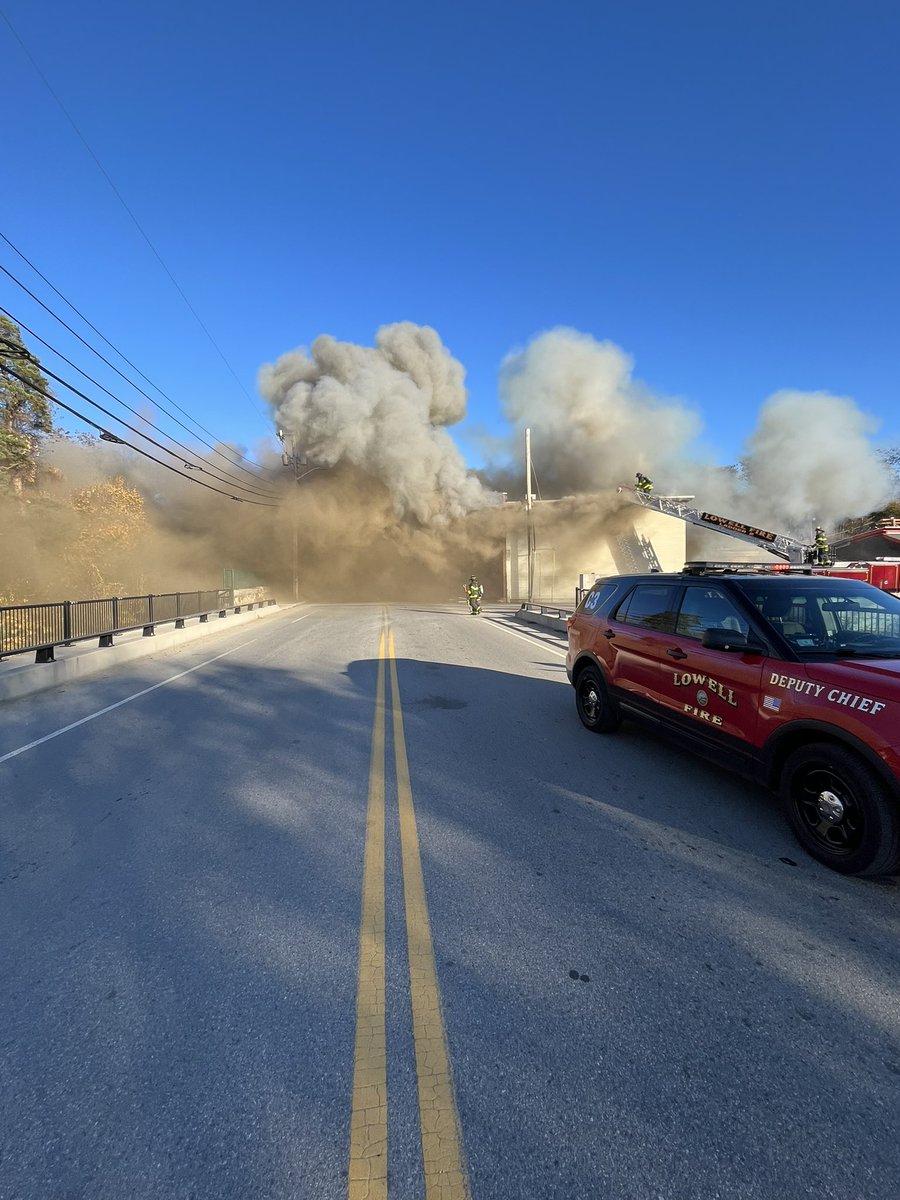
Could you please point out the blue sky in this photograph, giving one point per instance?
(712, 185)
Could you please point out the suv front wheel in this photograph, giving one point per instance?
(840, 810)
(597, 712)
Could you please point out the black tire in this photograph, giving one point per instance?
(841, 812)
(596, 711)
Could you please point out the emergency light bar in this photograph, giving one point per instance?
(702, 567)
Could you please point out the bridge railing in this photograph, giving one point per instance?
(40, 628)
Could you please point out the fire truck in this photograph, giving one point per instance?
(883, 573)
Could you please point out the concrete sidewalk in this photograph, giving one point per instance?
(21, 676)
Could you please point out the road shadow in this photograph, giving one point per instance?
(181, 949)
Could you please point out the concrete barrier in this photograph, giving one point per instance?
(24, 678)
(548, 620)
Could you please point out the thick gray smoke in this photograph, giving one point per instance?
(593, 425)
(811, 456)
(384, 411)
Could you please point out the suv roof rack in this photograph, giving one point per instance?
(744, 568)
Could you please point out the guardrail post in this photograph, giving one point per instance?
(67, 622)
(149, 630)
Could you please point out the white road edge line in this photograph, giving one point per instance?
(109, 708)
(525, 638)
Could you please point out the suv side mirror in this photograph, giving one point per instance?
(730, 639)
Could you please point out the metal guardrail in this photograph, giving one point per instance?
(546, 610)
(42, 627)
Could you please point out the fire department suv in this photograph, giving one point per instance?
(790, 677)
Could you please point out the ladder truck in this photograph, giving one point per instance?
(788, 549)
(883, 573)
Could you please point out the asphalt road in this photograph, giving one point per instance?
(627, 980)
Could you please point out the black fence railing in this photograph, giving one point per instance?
(42, 627)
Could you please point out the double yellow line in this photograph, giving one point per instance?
(442, 1154)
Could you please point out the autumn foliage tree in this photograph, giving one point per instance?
(112, 521)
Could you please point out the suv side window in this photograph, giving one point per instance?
(597, 597)
(650, 605)
(708, 608)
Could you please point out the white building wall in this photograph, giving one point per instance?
(571, 541)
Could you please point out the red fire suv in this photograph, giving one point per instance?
(790, 677)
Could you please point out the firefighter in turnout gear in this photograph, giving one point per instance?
(822, 549)
(474, 592)
(642, 483)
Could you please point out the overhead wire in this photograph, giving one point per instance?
(18, 282)
(199, 466)
(108, 436)
(121, 200)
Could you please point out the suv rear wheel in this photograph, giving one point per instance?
(841, 811)
(597, 712)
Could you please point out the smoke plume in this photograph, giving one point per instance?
(397, 516)
(593, 425)
(811, 455)
(383, 410)
(809, 460)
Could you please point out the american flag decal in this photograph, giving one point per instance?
(772, 703)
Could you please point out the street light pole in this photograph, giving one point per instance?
(529, 509)
(293, 460)
(299, 464)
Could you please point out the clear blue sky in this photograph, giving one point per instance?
(712, 184)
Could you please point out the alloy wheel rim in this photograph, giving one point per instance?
(590, 700)
(829, 810)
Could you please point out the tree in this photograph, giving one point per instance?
(113, 521)
(891, 459)
(24, 411)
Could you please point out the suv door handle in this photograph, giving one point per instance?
(608, 633)
(676, 653)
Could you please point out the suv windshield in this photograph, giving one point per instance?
(842, 619)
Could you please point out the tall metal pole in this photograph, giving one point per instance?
(291, 460)
(529, 509)
(296, 554)
(295, 461)
(296, 522)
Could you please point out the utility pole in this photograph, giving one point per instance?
(299, 464)
(529, 509)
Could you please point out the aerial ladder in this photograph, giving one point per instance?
(789, 549)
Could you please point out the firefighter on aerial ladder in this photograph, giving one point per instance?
(822, 549)
(643, 484)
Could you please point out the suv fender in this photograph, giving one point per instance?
(588, 659)
(788, 738)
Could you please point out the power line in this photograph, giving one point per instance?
(112, 366)
(199, 466)
(107, 436)
(134, 219)
(106, 412)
